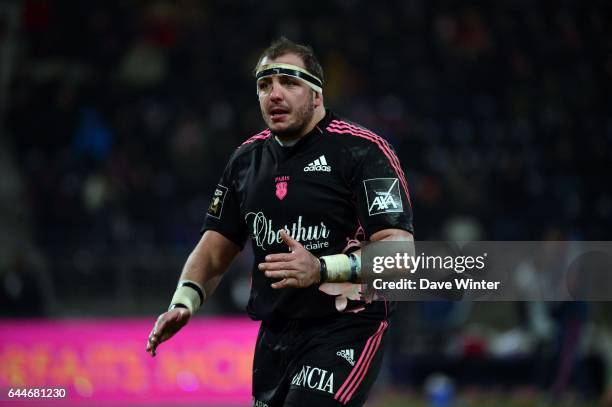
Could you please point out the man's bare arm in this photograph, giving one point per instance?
(209, 260)
(205, 266)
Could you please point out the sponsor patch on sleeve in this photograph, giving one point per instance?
(383, 195)
(216, 206)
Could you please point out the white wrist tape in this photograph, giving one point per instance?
(190, 294)
(342, 268)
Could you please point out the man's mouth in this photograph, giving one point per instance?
(278, 114)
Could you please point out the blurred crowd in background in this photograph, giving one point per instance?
(119, 117)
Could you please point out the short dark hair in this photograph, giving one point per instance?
(284, 46)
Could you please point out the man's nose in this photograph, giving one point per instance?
(275, 92)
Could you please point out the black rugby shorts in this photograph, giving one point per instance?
(318, 362)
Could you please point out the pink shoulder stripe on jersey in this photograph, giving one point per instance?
(346, 391)
(259, 136)
(382, 144)
(346, 128)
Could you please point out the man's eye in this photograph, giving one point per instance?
(288, 81)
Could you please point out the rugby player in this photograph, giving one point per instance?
(306, 190)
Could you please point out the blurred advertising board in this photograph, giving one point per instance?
(103, 362)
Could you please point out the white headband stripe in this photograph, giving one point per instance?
(290, 70)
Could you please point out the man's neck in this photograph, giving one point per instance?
(318, 115)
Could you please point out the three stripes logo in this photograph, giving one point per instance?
(348, 355)
(320, 164)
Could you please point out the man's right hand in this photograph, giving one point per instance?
(166, 326)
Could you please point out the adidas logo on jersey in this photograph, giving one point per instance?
(320, 164)
(348, 355)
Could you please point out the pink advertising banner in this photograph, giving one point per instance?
(103, 362)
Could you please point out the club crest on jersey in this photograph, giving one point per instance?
(383, 195)
(216, 205)
(281, 187)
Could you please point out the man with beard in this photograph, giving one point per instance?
(306, 190)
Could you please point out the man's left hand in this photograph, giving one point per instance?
(298, 269)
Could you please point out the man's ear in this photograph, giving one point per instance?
(317, 98)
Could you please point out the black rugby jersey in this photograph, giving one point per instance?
(337, 185)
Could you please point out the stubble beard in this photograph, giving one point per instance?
(303, 117)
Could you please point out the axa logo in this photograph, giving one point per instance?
(348, 355)
(320, 164)
(383, 201)
(383, 195)
(314, 378)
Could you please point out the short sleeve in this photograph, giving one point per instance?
(223, 213)
(381, 190)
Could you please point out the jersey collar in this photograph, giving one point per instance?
(312, 135)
